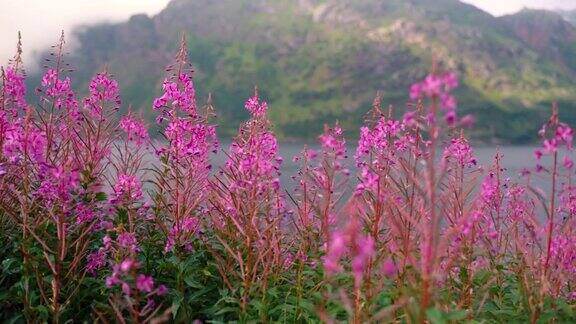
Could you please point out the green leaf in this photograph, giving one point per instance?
(435, 316)
(101, 196)
(456, 315)
(190, 282)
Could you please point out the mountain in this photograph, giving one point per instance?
(319, 61)
(548, 34)
(569, 15)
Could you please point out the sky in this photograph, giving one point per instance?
(41, 21)
(502, 7)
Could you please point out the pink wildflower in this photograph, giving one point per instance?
(59, 91)
(95, 261)
(460, 150)
(568, 162)
(128, 189)
(135, 129)
(128, 241)
(179, 93)
(15, 89)
(255, 107)
(102, 89)
(144, 283)
(389, 268)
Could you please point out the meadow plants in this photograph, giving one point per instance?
(102, 222)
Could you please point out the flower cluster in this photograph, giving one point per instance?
(320, 181)
(563, 135)
(378, 148)
(128, 242)
(122, 276)
(135, 129)
(350, 242)
(189, 226)
(460, 150)
(180, 94)
(189, 139)
(255, 157)
(438, 87)
(14, 90)
(96, 261)
(102, 89)
(57, 185)
(127, 189)
(21, 141)
(385, 138)
(255, 107)
(332, 142)
(59, 91)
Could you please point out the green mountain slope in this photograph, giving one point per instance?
(318, 61)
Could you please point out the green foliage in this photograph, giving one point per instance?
(297, 295)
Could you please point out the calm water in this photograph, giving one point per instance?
(514, 159)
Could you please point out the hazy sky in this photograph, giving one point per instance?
(501, 7)
(42, 20)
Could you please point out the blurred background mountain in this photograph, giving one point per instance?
(318, 61)
(569, 15)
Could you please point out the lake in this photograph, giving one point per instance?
(514, 159)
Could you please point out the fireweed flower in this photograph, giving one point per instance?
(59, 91)
(389, 268)
(337, 249)
(144, 283)
(438, 86)
(380, 138)
(555, 135)
(189, 139)
(568, 199)
(135, 129)
(96, 261)
(332, 142)
(162, 290)
(103, 90)
(14, 91)
(186, 164)
(180, 94)
(125, 275)
(321, 177)
(567, 162)
(255, 107)
(364, 251)
(21, 141)
(352, 243)
(432, 85)
(57, 184)
(84, 214)
(566, 134)
(189, 226)
(128, 188)
(550, 146)
(460, 151)
(255, 158)
(489, 190)
(128, 241)
(379, 147)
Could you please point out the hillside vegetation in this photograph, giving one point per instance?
(318, 61)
